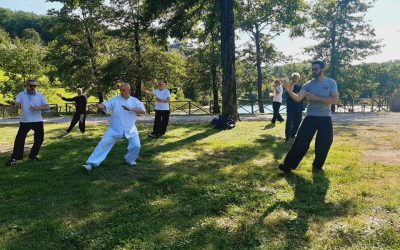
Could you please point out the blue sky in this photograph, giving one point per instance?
(384, 16)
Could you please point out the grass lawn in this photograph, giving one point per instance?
(201, 189)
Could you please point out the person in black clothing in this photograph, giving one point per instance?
(80, 110)
(294, 110)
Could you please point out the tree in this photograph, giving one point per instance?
(229, 95)
(22, 59)
(81, 47)
(265, 19)
(131, 23)
(343, 33)
(178, 18)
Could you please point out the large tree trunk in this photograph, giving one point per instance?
(137, 91)
(259, 74)
(229, 97)
(215, 106)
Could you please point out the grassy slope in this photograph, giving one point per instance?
(197, 188)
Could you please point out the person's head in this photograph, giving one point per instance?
(31, 85)
(125, 90)
(161, 85)
(295, 77)
(317, 68)
(277, 83)
(79, 91)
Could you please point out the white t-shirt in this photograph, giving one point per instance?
(162, 95)
(278, 94)
(123, 122)
(26, 100)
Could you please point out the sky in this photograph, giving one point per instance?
(384, 17)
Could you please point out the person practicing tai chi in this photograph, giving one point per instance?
(162, 111)
(277, 101)
(125, 110)
(80, 111)
(294, 110)
(31, 102)
(321, 92)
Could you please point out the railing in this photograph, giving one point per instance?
(14, 111)
(363, 105)
(358, 105)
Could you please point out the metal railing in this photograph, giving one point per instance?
(357, 105)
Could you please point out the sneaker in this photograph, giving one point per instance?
(133, 164)
(284, 168)
(64, 134)
(12, 162)
(88, 167)
(34, 159)
(152, 135)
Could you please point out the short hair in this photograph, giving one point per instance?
(296, 74)
(277, 81)
(31, 81)
(319, 62)
(79, 90)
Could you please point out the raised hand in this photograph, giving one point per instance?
(287, 86)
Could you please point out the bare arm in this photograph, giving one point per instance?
(295, 97)
(42, 107)
(162, 101)
(333, 99)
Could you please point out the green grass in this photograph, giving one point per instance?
(199, 189)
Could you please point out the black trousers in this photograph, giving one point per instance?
(311, 125)
(161, 122)
(275, 108)
(19, 142)
(78, 117)
(293, 120)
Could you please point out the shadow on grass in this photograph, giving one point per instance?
(54, 204)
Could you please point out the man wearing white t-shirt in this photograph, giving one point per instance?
(31, 102)
(125, 110)
(162, 111)
(277, 101)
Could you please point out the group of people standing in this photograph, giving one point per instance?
(124, 111)
(320, 92)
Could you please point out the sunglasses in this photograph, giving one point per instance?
(32, 86)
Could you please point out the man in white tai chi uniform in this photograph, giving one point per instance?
(125, 110)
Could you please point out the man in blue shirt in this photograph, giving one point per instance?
(321, 92)
(31, 102)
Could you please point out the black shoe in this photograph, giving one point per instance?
(284, 168)
(12, 162)
(34, 159)
(152, 135)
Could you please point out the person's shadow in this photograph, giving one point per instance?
(308, 204)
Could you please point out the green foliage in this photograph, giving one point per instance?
(22, 59)
(15, 22)
(342, 33)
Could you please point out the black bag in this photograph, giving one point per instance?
(223, 123)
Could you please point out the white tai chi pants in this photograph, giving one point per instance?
(106, 144)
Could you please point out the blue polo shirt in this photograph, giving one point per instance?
(27, 100)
